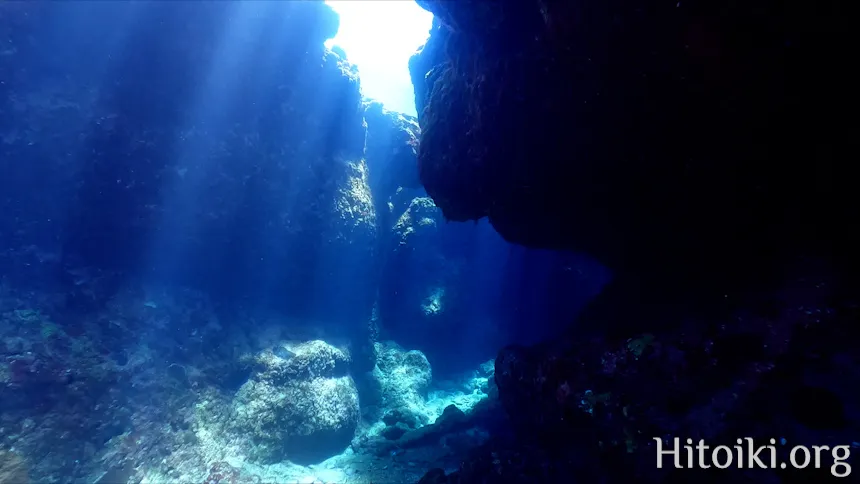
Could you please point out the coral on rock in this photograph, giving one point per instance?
(404, 377)
(299, 405)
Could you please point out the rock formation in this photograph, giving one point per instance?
(695, 148)
(299, 405)
(174, 151)
(682, 143)
(185, 185)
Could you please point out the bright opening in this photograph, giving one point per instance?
(379, 36)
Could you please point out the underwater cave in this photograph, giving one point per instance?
(362, 241)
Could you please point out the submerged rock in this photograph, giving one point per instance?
(404, 378)
(401, 416)
(592, 408)
(307, 360)
(303, 409)
(283, 353)
(391, 150)
(394, 432)
(662, 141)
(688, 147)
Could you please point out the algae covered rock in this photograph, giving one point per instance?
(300, 405)
(404, 377)
(308, 360)
(421, 216)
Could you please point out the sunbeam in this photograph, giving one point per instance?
(379, 36)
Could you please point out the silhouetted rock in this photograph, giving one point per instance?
(693, 148)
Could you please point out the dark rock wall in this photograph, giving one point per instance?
(679, 142)
(422, 64)
(698, 150)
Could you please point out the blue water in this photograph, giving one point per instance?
(212, 266)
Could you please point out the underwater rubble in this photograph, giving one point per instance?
(116, 403)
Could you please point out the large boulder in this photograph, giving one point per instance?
(404, 377)
(299, 405)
